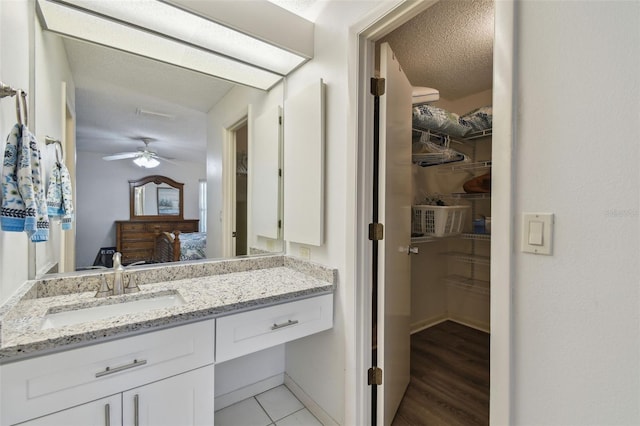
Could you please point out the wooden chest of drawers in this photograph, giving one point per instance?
(135, 239)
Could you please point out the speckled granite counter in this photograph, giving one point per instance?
(209, 289)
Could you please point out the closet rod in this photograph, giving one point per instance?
(6, 90)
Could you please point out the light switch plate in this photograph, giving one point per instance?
(531, 223)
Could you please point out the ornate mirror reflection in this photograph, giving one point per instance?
(156, 196)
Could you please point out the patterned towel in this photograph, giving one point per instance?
(23, 204)
(59, 198)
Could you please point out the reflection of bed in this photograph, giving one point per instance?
(175, 246)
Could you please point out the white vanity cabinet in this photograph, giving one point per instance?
(164, 369)
(158, 378)
(185, 399)
(105, 411)
(246, 332)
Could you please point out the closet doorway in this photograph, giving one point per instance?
(437, 296)
(235, 188)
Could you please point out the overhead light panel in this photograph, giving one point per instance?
(163, 32)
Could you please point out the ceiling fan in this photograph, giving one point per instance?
(143, 157)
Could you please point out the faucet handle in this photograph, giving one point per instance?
(132, 285)
(104, 290)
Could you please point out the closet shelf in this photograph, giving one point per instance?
(471, 196)
(468, 258)
(476, 237)
(478, 135)
(465, 167)
(425, 239)
(468, 138)
(469, 284)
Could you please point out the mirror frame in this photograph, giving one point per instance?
(157, 179)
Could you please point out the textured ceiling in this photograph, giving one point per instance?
(110, 87)
(448, 47)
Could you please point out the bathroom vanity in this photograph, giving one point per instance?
(65, 362)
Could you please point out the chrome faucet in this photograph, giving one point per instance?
(120, 284)
(118, 272)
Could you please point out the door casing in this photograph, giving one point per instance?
(362, 43)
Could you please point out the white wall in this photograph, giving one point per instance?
(331, 352)
(103, 197)
(51, 70)
(576, 324)
(15, 41)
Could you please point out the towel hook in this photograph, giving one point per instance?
(49, 140)
(22, 113)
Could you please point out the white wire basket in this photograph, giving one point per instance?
(439, 221)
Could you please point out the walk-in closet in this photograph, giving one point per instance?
(446, 53)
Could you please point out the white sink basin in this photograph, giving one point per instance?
(103, 311)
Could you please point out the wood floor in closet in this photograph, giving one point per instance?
(449, 378)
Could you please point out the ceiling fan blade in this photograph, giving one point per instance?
(165, 159)
(121, 156)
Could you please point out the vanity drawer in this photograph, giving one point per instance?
(133, 227)
(42, 385)
(251, 331)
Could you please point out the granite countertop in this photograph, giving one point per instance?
(234, 286)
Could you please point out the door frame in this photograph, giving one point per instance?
(229, 166)
(362, 48)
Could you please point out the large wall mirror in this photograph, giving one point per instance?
(200, 130)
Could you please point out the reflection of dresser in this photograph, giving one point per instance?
(135, 238)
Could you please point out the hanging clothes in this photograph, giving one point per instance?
(59, 198)
(24, 207)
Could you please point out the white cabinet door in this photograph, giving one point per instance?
(182, 400)
(103, 412)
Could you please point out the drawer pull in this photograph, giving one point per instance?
(284, 324)
(107, 415)
(109, 370)
(136, 410)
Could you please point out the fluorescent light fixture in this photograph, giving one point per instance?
(146, 162)
(159, 31)
(154, 114)
(171, 21)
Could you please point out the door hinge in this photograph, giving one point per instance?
(374, 376)
(280, 120)
(279, 172)
(376, 231)
(279, 224)
(377, 86)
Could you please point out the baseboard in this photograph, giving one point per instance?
(472, 324)
(308, 402)
(253, 389)
(428, 323)
(424, 324)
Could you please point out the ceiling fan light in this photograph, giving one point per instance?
(146, 163)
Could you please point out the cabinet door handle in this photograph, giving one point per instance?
(136, 413)
(109, 370)
(107, 415)
(284, 324)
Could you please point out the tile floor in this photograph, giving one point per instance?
(277, 406)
